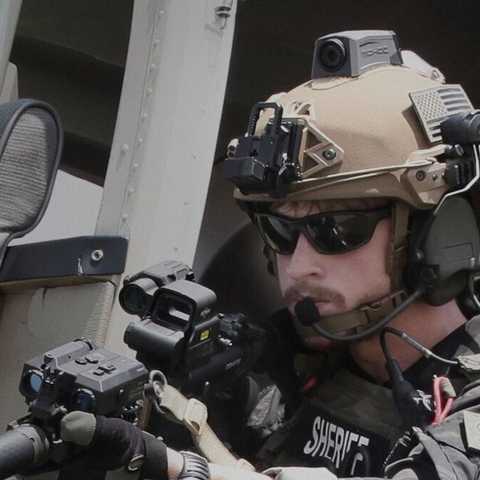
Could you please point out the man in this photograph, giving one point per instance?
(359, 183)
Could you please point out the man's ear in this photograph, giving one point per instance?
(271, 260)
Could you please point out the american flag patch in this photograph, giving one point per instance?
(437, 104)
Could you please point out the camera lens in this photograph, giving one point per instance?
(32, 382)
(84, 400)
(332, 54)
(136, 297)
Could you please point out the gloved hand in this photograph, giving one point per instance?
(299, 473)
(111, 443)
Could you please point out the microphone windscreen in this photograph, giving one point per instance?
(307, 312)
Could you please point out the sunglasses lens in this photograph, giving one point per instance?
(329, 233)
(278, 234)
(339, 232)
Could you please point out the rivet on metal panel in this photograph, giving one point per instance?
(329, 154)
(96, 255)
(124, 148)
(420, 175)
(153, 63)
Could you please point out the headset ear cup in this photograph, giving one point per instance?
(271, 260)
(443, 251)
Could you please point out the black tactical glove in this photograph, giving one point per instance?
(111, 443)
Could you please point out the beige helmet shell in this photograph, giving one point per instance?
(370, 128)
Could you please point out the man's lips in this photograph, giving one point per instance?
(322, 297)
(298, 297)
(323, 306)
(326, 307)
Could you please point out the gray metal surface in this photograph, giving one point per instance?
(166, 133)
(9, 12)
(9, 91)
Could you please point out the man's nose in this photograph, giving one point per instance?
(305, 261)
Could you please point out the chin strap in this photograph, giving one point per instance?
(398, 248)
(306, 312)
(356, 320)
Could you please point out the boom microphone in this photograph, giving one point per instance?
(307, 312)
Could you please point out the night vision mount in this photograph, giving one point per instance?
(267, 163)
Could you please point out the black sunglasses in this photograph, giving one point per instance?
(329, 233)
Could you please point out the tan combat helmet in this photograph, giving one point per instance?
(362, 137)
(367, 125)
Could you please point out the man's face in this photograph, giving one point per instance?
(337, 283)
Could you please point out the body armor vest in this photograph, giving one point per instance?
(348, 424)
